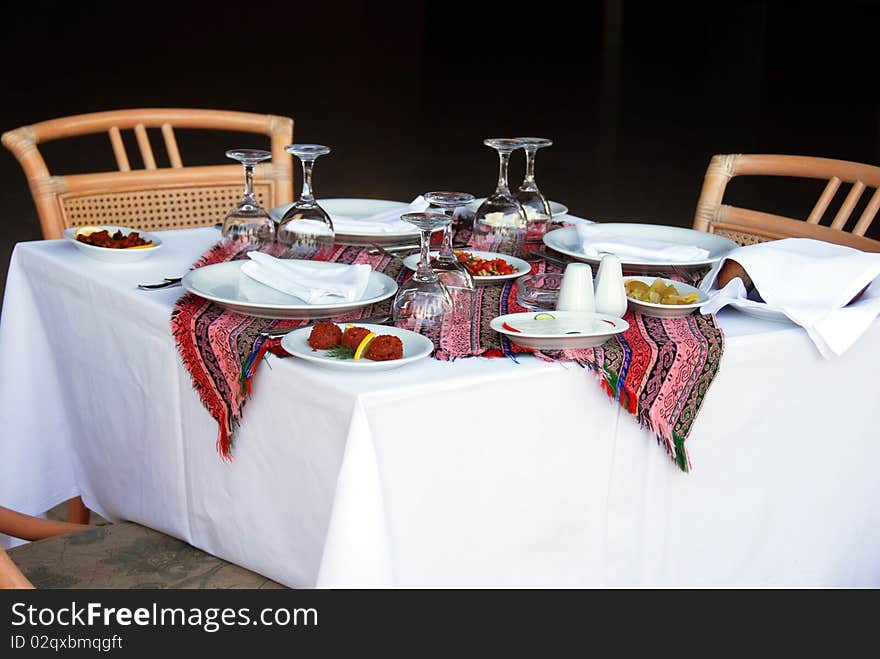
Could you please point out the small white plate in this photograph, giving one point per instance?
(568, 330)
(415, 347)
(225, 284)
(521, 267)
(357, 209)
(112, 254)
(567, 241)
(666, 310)
(555, 207)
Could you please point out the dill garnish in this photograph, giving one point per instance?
(340, 352)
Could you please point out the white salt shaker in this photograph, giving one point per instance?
(576, 291)
(610, 292)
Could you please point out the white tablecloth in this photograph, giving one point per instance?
(479, 472)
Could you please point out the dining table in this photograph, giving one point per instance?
(476, 472)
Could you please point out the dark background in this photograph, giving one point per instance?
(636, 96)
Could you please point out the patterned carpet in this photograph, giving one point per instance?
(126, 555)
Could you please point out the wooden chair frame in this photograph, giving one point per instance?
(63, 201)
(748, 226)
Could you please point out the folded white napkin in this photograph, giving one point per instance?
(594, 242)
(384, 222)
(313, 283)
(810, 282)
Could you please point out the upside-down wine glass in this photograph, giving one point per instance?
(248, 221)
(306, 228)
(500, 221)
(423, 301)
(535, 204)
(451, 271)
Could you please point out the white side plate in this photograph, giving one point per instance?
(567, 330)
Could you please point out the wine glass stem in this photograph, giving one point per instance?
(307, 194)
(529, 180)
(503, 161)
(446, 253)
(425, 272)
(248, 180)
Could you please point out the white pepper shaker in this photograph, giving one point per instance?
(610, 292)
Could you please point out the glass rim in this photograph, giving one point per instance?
(503, 144)
(242, 155)
(309, 150)
(448, 198)
(426, 219)
(537, 142)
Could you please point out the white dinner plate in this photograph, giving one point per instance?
(666, 310)
(521, 267)
(225, 284)
(415, 347)
(555, 207)
(111, 254)
(567, 241)
(567, 330)
(357, 209)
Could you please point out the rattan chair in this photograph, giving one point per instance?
(153, 198)
(747, 227)
(124, 555)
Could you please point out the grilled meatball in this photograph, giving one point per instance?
(353, 337)
(384, 348)
(325, 335)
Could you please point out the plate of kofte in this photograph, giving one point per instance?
(357, 346)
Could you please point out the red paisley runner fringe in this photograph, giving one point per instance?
(659, 370)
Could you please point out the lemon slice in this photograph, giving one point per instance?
(145, 246)
(545, 316)
(362, 346)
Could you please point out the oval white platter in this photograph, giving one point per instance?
(225, 284)
(521, 267)
(415, 347)
(567, 241)
(112, 254)
(568, 330)
(666, 310)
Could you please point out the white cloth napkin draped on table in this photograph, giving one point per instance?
(595, 242)
(811, 282)
(384, 222)
(313, 283)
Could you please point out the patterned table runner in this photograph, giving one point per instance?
(659, 369)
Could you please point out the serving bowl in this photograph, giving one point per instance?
(114, 254)
(659, 310)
